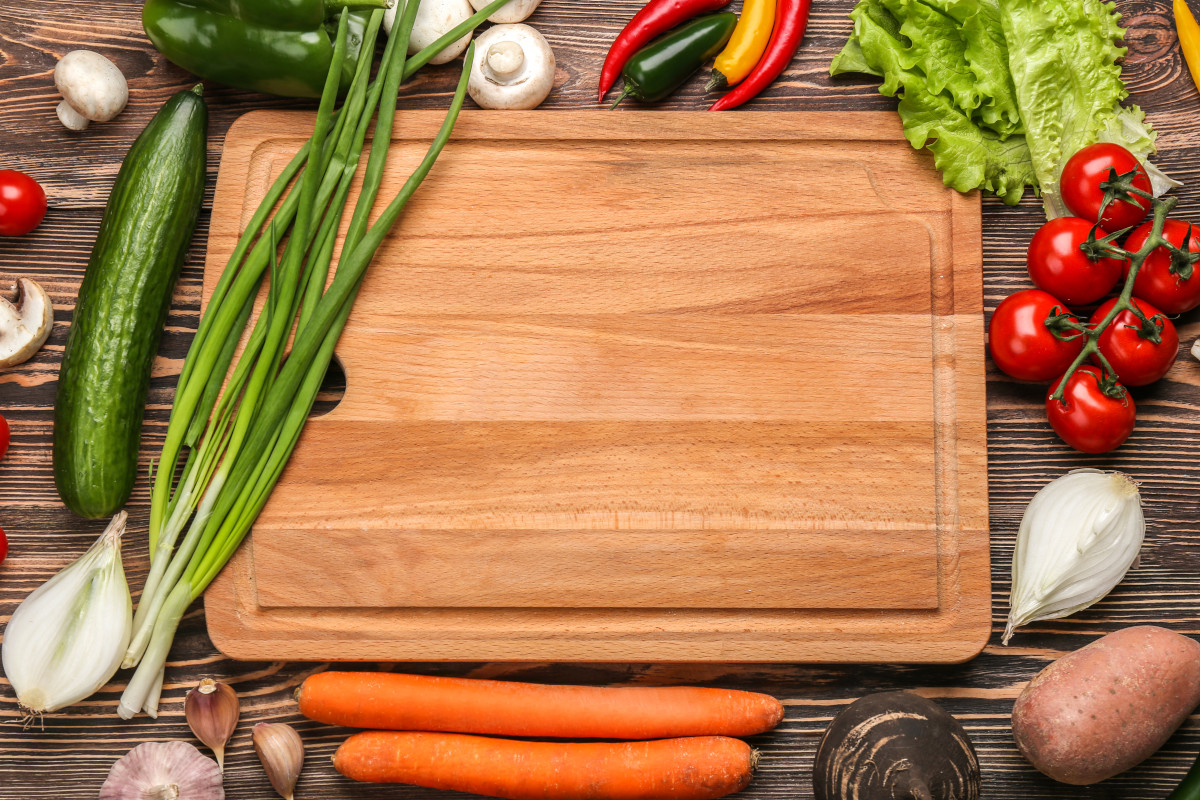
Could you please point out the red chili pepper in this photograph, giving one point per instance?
(790, 20)
(657, 16)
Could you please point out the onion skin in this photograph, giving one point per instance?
(895, 745)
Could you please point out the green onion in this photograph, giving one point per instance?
(239, 437)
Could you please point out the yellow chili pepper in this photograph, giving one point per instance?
(747, 44)
(1189, 38)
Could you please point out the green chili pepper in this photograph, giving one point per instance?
(662, 66)
(282, 47)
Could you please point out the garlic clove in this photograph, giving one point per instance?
(281, 751)
(163, 771)
(1078, 537)
(212, 710)
(67, 638)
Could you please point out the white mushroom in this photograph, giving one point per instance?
(512, 11)
(24, 323)
(514, 68)
(93, 89)
(435, 18)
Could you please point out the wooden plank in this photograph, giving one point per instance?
(649, 569)
(612, 353)
(75, 749)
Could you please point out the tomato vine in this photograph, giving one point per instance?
(1120, 188)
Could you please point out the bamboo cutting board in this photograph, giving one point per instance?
(636, 386)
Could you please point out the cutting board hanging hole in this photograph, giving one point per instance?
(333, 389)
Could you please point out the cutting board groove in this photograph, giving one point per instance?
(636, 386)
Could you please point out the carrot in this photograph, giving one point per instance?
(694, 768)
(463, 705)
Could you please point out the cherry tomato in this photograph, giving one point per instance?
(1058, 266)
(4, 436)
(1155, 281)
(22, 203)
(1137, 360)
(1020, 342)
(1081, 179)
(3, 546)
(1088, 419)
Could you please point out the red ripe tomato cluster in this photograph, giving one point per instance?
(1034, 334)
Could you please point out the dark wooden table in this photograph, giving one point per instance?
(70, 756)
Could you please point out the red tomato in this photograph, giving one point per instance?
(4, 436)
(1020, 342)
(1087, 418)
(1058, 266)
(3, 546)
(1155, 281)
(22, 203)
(1081, 179)
(1137, 360)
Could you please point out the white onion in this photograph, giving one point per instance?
(67, 638)
(1079, 536)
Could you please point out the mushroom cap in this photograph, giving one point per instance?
(91, 84)
(512, 11)
(25, 323)
(434, 19)
(502, 77)
(180, 770)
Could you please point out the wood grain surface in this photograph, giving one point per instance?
(564, 442)
(70, 756)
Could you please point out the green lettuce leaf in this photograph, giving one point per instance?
(1062, 55)
(967, 155)
(971, 126)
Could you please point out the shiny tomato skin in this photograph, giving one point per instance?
(1087, 419)
(1137, 361)
(1057, 265)
(4, 436)
(3, 546)
(1155, 282)
(1021, 344)
(22, 203)
(1087, 169)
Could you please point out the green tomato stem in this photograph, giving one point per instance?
(1091, 345)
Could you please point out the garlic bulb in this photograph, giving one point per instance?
(67, 638)
(1079, 536)
(163, 771)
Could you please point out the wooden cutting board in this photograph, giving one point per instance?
(636, 386)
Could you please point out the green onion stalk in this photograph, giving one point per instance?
(239, 438)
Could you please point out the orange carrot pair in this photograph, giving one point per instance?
(694, 768)
(691, 757)
(505, 708)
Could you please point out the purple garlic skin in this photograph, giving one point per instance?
(163, 771)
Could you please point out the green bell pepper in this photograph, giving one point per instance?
(279, 47)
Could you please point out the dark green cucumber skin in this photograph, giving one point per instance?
(123, 302)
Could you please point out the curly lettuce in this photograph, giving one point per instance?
(1063, 57)
(946, 61)
(1002, 92)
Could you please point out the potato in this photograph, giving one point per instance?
(1108, 706)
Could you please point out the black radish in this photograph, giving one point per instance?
(895, 746)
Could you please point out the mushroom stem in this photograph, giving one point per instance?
(71, 118)
(504, 60)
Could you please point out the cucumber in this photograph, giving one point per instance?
(123, 302)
